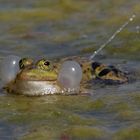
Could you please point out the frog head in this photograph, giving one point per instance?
(42, 70)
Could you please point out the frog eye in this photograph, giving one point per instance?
(46, 63)
(24, 62)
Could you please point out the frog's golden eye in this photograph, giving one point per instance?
(46, 63)
(25, 62)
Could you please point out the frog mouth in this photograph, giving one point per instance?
(38, 88)
(33, 88)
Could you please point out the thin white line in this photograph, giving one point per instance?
(112, 37)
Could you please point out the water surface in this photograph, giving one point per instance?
(59, 28)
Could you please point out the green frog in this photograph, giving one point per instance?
(40, 78)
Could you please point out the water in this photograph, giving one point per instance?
(55, 29)
(112, 37)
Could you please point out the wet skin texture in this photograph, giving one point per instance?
(40, 78)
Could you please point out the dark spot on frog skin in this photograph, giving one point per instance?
(84, 71)
(104, 72)
(95, 65)
(81, 65)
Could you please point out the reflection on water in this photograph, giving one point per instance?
(61, 28)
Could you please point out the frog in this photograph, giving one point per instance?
(40, 77)
(34, 79)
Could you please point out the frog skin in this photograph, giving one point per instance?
(40, 78)
(93, 70)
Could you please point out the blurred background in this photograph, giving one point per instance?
(44, 27)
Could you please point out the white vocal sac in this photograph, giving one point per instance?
(70, 75)
(9, 68)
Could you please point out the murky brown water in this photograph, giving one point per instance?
(59, 28)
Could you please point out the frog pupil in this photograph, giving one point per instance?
(47, 63)
(21, 64)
